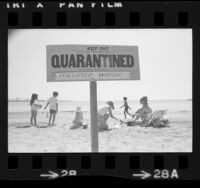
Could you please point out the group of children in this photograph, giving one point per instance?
(35, 106)
(144, 116)
(104, 113)
(53, 109)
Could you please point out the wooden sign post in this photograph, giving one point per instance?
(93, 116)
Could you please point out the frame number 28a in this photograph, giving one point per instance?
(165, 174)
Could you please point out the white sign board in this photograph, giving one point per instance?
(92, 62)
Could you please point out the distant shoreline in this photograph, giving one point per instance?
(38, 100)
(26, 100)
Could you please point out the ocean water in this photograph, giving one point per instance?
(70, 106)
(21, 110)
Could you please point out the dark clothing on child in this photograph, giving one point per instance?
(51, 111)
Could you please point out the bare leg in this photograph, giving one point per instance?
(129, 114)
(35, 121)
(125, 114)
(50, 119)
(35, 116)
(31, 120)
(54, 117)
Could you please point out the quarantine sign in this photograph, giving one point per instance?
(92, 63)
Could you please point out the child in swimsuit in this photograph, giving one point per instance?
(34, 108)
(126, 107)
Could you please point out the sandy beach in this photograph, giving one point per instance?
(25, 138)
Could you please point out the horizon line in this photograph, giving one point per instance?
(13, 99)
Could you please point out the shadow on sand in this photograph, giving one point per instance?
(26, 125)
(104, 130)
(42, 126)
(23, 126)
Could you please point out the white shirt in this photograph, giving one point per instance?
(33, 106)
(103, 110)
(52, 103)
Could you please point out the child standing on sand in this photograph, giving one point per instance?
(53, 107)
(126, 107)
(34, 108)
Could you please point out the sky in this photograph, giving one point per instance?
(165, 59)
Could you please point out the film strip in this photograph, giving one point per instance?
(87, 15)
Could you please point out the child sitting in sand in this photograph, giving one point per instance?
(53, 109)
(126, 107)
(35, 106)
(78, 121)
